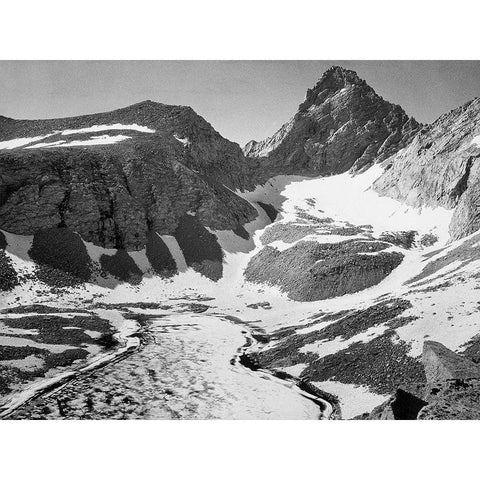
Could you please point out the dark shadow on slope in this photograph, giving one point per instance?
(270, 210)
(122, 266)
(200, 248)
(61, 256)
(159, 256)
(406, 406)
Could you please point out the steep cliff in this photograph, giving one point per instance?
(114, 177)
(440, 168)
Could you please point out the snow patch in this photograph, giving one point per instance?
(185, 141)
(20, 142)
(94, 140)
(475, 141)
(102, 128)
(354, 399)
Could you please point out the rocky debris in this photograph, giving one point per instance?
(122, 266)
(341, 124)
(440, 167)
(124, 307)
(61, 256)
(264, 305)
(381, 363)
(8, 275)
(451, 390)
(159, 256)
(41, 309)
(200, 248)
(465, 253)
(194, 307)
(115, 196)
(24, 363)
(311, 271)
(404, 239)
(288, 232)
(428, 240)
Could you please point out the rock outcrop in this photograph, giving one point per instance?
(441, 167)
(310, 271)
(116, 195)
(342, 124)
(451, 391)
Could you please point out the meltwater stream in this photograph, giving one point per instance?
(186, 368)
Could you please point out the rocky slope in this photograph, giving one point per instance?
(451, 390)
(153, 164)
(341, 124)
(440, 167)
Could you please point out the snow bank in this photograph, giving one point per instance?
(101, 128)
(354, 399)
(19, 142)
(350, 198)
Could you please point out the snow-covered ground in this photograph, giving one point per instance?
(449, 316)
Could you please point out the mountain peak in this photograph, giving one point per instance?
(339, 76)
(335, 79)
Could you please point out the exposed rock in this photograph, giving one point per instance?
(311, 271)
(441, 364)
(440, 168)
(115, 195)
(341, 124)
(451, 390)
(264, 305)
(401, 239)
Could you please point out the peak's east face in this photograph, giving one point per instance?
(342, 124)
(440, 167)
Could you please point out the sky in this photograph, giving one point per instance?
(243, 100)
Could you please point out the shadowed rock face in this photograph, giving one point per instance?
(311, 271)
(114, 195)
(341, 124)
(441, 167)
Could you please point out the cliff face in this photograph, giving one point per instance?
(341, 124)
(113, 193)
(440, 168)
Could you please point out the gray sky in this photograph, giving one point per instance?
(243, 100)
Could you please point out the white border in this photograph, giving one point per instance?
(248, 29)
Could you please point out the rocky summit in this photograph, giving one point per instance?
(328, 271)
(342, 124)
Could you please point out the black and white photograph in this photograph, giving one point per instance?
(239, 238)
